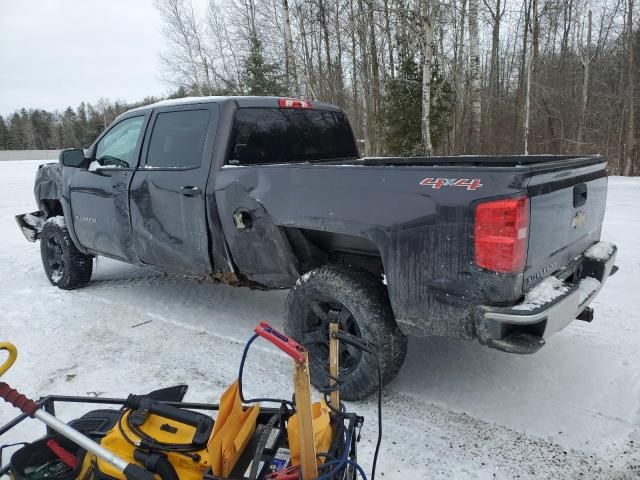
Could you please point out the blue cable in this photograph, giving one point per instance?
(341, 462)
(357, 467)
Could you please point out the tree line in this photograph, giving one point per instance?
(416, 77)
(38, 129)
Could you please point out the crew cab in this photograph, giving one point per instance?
(271, 193)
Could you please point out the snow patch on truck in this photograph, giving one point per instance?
(32, 220)
(58, 220)
(545, 292)
(587, 287)
(599, 251)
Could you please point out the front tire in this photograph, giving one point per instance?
(361, 305)
(65, 266)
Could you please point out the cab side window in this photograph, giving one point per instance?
(178, 138)
(119, 146)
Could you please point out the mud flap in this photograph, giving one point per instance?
(31, 224)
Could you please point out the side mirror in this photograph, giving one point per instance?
(73, 157)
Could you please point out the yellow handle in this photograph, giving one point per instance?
(11, 359)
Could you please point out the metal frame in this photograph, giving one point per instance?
(48, 404)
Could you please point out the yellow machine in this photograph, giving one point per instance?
(188, 465)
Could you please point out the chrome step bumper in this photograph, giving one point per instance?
(548, 307)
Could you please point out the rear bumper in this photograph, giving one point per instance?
(549, 306)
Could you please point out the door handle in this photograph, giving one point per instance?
(189, 191)
(579, 195)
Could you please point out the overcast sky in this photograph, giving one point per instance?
(56, 53)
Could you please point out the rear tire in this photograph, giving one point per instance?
(362, 306)
(65, 266)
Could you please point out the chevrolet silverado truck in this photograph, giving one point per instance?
(271, 193)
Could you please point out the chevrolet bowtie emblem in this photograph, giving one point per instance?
(578, 219)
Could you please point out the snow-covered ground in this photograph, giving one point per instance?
(457, 410)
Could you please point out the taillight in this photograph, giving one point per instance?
(500, 234)
(294, 103)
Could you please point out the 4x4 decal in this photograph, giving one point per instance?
(438, 183)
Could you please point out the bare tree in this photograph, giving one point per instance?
(459, 75)
(181, 62)
(375, 76)
(429, 15)
(474, 61)
(528, 68)
(496, 14)
(630, 148)
(387, 29)
(290, 60)
(369, 109)
(586, 57)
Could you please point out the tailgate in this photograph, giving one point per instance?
(567, 208)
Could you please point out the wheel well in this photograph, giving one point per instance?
(314, 248)
(51, 207)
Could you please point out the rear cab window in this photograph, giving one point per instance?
(284, 135)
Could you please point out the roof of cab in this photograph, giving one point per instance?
(241, 101)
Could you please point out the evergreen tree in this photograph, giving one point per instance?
(27, 130)
(260, 77)
(181, 92)
(4, 134)
(95, 123)
(41, 125)
(81, 126)
(16, 139)
(401, 108)
(69, 139)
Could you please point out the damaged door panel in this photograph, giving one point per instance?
(98, 194)
(168, 203)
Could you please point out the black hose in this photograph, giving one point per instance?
(375, 455)
(241, 370)
(369, 348)
(156, 463)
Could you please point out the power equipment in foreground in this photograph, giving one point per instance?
(158, 436)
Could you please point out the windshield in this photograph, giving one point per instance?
(282, 135)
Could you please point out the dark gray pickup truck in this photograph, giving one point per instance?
(271, 193)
